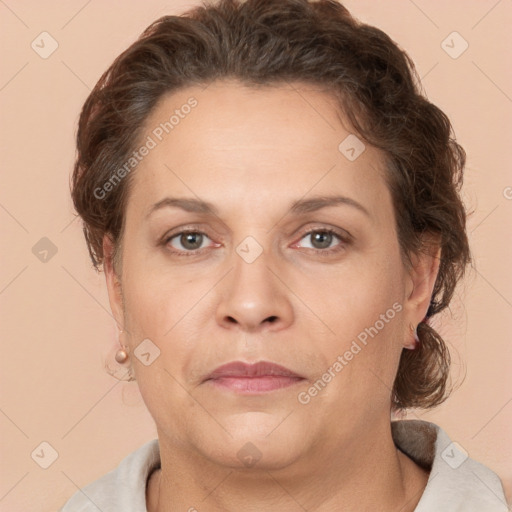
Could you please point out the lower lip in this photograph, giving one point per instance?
(253, 385)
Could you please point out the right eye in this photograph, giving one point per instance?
(190, 242)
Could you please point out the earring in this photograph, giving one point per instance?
(122, 354)
(414, 332)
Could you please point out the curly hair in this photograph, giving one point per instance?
(268, 42)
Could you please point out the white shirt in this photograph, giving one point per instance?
(456, 482)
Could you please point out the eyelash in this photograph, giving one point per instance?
(344, 240)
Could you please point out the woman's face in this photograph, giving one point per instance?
(254, 284)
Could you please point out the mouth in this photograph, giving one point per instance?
(255, 378)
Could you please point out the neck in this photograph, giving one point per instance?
(371, 474)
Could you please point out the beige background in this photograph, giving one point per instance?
(56, 325)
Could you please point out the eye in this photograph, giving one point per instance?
(190, 242)
(322, 240)
(187, 241)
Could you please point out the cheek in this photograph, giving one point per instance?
(163, 307)
(358, 294)
(365, 312)
(155, 297)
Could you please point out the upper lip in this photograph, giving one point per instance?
(260, 369)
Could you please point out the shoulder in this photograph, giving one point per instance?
(121, 490)
(456, 481)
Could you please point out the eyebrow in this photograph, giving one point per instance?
(301, 206)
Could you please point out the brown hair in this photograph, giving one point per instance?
(267, 42)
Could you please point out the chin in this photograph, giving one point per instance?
(265, 445)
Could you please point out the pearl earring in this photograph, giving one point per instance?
(122, 354)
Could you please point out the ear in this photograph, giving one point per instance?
(422, 278)
(113, 282)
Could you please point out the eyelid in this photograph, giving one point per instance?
(186, 228)
(341, 233)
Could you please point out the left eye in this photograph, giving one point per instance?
(321, 239)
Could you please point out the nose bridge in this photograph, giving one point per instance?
(253, 297)
(251, 272)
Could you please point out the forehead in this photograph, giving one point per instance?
(230, 141)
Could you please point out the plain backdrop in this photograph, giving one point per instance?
(56, 327)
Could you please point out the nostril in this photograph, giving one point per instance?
(272, 319)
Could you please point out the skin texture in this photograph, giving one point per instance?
(252, 153)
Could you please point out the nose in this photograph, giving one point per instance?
(254, 297)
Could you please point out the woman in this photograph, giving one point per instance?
(276, 209)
